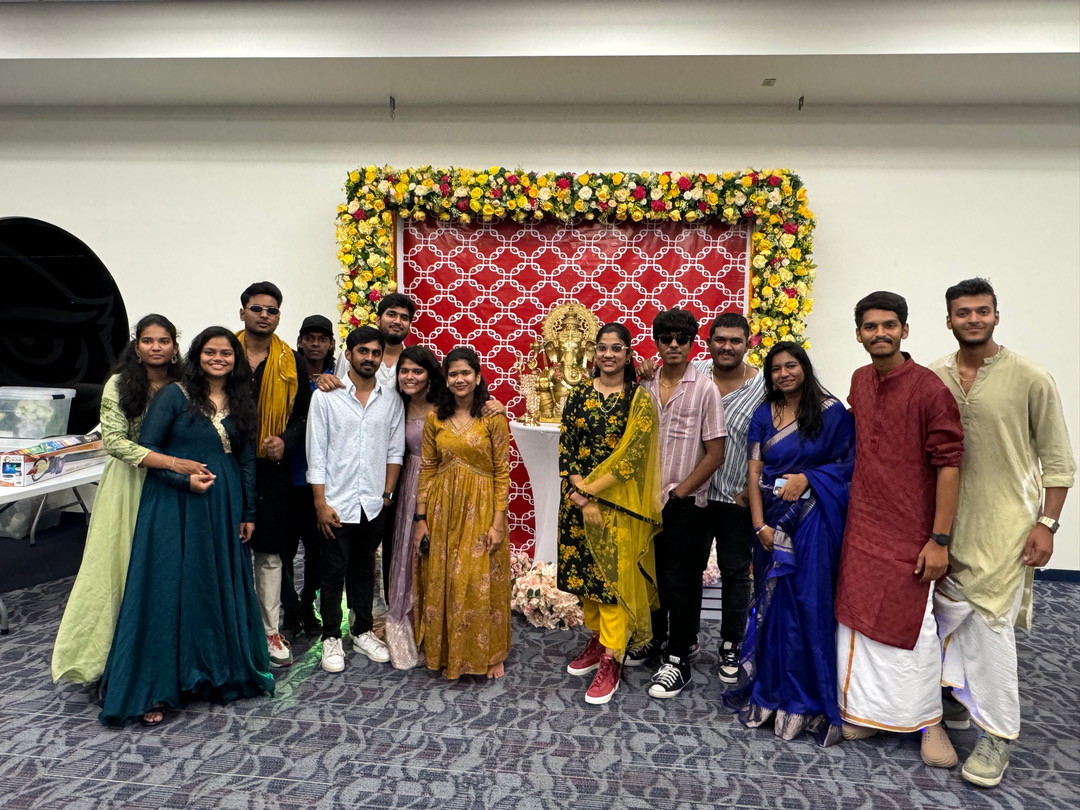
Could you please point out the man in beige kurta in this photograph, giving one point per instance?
(1018, 467)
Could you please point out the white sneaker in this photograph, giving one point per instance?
(370, 645)
(333, 657)
(280, 654)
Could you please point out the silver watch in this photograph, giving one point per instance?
(1049, 523)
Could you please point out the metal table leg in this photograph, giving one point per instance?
(4, 628)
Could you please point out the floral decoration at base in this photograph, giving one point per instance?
(712, 569)
(782, 273)
(534, 594)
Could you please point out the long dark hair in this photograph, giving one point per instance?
(630, 377)
(423, 357)
(242, 405)
(808, 414)
(132, 382)
(445, 404)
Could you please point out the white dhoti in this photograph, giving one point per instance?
(890, 688)
(980, 660)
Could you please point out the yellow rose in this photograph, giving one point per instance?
(584, 179)
(617, 178)
(354, 176)
(710, 178)
(755, 327)
(482, 178)
(774, 279)
(807, 304)
(636, 215)
(366, 277)
(745, 181)
(533, 191)
(379, 272)
(476, 193)
(353, 298)
(379, 205)
(712, 198)
(787, 240)
(767, 341)
(474, 205)
(766, 292)
(663, 179)
(347, 259)
(806, 345)
(488, 210)
(579, 205)
(676, 216)
(795, 253)
(444, 217)
(729, 213)
(755, 302)
(542, 180)
(800, 195)
(369, 176)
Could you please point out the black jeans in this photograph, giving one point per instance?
(306, 529)
(733, 529)
(348, 560)
(682, 552)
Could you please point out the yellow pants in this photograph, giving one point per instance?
(611, 621)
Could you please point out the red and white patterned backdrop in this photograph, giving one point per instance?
(489, 286)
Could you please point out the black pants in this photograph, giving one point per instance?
(733, 529)
(682, 552)
(348, 560)
(389, 515)
(306, 530)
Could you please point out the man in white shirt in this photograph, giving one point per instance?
(355, 446)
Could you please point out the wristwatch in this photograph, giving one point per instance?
(1049, 523)
(941, 539)
(417, 517)
(388, 496)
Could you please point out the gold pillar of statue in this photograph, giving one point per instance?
(557, 360)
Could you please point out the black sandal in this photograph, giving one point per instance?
(153, 723)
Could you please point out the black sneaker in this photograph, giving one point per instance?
(670, 679)
(642, 653)
(695, 651)
(729, 662)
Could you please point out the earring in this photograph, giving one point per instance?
(138, 359)
(175, 359)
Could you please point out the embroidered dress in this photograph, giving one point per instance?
(189, 624)
(86, 631)
(462, 612)
(400, 637)
(787, 664)
(611, 562)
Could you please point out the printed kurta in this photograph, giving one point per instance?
(462, 611)
(906, 427)
(1016, 443)
(86, 631)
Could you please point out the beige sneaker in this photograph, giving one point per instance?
(987, 762)
(850, 731)
(936, 749)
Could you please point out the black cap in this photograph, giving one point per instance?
(317, 323)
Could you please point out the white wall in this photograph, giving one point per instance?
(187, 206)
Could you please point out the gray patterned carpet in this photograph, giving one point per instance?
(374, 737)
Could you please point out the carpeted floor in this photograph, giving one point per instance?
(375, 737)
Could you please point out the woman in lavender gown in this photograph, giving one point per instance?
(419, 380)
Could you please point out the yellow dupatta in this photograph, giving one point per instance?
(627, 494)
(277, 391)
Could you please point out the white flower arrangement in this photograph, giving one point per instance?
(534, 594)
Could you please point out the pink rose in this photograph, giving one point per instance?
(684, 183)
(774, 180)
(658, 205)
(463, 205)
(512, 179)
(354, 321)
(359, 214)
(755, 340)
(790, 292)
(353, 273)
(374, 295)
(791, 227)
(444, 189)
(639, 192)
(496, 193)
(703, 206)
(563, 183)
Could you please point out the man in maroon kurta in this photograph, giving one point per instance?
(908, 448)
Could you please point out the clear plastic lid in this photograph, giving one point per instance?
(26, 392)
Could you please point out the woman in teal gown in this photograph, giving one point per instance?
(189, 624)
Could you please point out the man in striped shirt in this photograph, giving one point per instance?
(728, 512)
(692, 448)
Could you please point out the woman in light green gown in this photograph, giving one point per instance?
(146, 364)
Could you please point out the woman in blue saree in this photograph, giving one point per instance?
(801, 447)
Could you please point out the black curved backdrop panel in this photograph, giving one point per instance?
(62, 318)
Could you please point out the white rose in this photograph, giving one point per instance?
(740, 198)
(545, 193)
(622, 195)
(354, 206)
(461, 191)
(656, 193)
(585, 193)
(384, 186)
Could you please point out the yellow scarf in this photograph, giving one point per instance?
(277, 391)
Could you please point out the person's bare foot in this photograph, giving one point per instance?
(496, 670)
(153, 718)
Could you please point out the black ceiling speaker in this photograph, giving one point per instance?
(62, 318)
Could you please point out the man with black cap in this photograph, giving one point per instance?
(315, 345)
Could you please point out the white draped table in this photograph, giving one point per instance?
(539, 448)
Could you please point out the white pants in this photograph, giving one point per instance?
(268, 589)
(979, 662)
(887, 687)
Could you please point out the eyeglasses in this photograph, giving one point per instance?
(269, 310)
(615, 348)
(679, 337)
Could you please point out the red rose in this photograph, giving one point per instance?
(354, 272)
(791, 227)
(658, 205)
(374, 295)
(602, 206)
(392, 179)
(512, 179)
(354, 321)
(790, 292)
(684, 183)
(444, 179)
(463, 205)
(755, 340)
(563, 183)
(752, 176)
(359, 214)
(496, 193)
(444, 189)
(703, 206)
(774, 180)
(639, 192)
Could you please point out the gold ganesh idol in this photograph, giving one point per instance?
(557, 360)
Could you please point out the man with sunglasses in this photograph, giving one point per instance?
(276, 375)
(692, 435)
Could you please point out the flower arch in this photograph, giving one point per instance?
(782, 272)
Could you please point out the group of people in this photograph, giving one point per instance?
(187, 577)
(874, 559)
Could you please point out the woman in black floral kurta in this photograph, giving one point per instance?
(609, 465)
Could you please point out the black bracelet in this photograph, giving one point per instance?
(941, 539)
(417, 517)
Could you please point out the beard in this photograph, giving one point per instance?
(393, 338)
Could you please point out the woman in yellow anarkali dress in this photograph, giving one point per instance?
(462, 612)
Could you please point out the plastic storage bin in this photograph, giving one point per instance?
(34, 413)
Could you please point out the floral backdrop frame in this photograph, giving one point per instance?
(781, 268)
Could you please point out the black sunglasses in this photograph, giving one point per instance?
(679, 337)
(269, 310)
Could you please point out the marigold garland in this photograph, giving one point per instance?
(782, 273)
